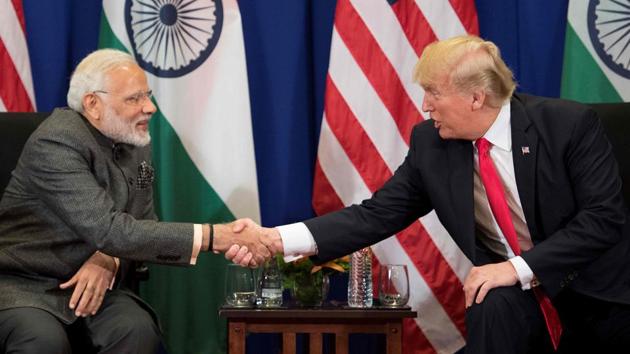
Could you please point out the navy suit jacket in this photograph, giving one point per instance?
(568, 184)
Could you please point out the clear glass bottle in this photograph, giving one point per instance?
(360, 279)
(271, 285)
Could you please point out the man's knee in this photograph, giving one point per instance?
(503, 310)
(33, 331)
(508, 320)
(41, 342)
(498, 301)
(141, 327)
(130, 332)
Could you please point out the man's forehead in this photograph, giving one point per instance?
(125, 70)
(437, 83)
(126, 75)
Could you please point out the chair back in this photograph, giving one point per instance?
(15, 128)
(615, 118)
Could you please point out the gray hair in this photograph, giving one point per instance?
(90, 74)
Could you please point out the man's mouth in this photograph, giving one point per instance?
(143, 124)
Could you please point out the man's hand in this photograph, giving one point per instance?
(241, 255)
(482, 279)
(246, 243)
(90, 284)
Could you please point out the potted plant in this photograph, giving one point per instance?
(307, 282)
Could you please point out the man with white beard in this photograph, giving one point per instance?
(79, 209)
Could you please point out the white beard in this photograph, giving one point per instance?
(120, 131)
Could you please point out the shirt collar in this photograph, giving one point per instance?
(499, 134)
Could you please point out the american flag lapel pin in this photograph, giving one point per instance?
(525, 150)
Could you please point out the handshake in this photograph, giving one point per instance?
(246, 243)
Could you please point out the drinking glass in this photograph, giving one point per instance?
(393, 290)
(239, 286)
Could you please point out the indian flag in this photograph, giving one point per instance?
(597, 52)
(193, 54)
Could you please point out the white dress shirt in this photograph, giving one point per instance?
(298, 240)
(500, 136)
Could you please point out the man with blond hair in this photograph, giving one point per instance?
(526, 186)
(78, 209)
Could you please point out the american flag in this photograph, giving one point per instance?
(16, 85)
(371, 105)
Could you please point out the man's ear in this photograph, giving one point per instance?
(478, 99)
(92, 106)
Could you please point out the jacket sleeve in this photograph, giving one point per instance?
(59, 173)
(400, 201)
(596, 222)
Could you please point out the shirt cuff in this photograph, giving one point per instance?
(197, 241)
(117, 262)
(297, 241)
(523, 271)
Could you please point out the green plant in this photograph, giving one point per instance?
(304, 268)
(306, 280)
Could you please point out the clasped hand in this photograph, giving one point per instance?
(247, 243)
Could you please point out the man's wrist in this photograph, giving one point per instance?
(277, 240)
(106, 261)
(205, 237)
(211, 243)
(220, 240)
(524, 274)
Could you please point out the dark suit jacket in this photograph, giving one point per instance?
(568, 184)
(74, 192)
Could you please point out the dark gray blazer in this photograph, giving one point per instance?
(74, 192)
(568, 184)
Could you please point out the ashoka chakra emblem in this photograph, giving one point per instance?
(171, 38)
(609, 29)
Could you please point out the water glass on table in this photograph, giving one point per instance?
(240, 290)
(393, 288)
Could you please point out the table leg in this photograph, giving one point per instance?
(236, 338)
(288, 343)
(341, 343)
(394, 338)
(315, 343)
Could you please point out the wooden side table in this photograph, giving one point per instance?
(340, 321)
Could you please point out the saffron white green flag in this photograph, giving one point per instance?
(193, 54)
(597, 51)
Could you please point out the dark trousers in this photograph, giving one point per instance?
(593, 325)
(120, 326)
(509, 320)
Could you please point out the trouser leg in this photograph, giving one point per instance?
(31, 330)
(593, 325)
(509, 320)
(123, 326)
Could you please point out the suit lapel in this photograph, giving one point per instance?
(460, 159)
(525, 155)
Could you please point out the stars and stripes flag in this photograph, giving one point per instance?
(16, 84)
(371, 105)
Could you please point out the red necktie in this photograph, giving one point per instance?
(501, 212)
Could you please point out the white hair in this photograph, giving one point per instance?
(122, 131)
(90, 74)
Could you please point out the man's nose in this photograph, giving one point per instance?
(426, 105)
(148, 107)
